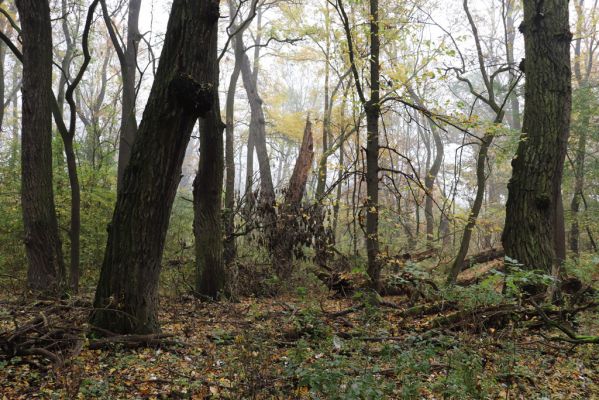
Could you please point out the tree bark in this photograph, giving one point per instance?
(229, 245)
(257, 122)
(372, 111)
(42, 243)
(534, 191)
(282, 242)
(128, 61)
(207, 189)
(126, 298)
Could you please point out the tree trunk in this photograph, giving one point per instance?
(481, 179)
(510, 38)
(283, 241)
(229, 245)
(128, 61)
(372, 110)
(42, 243)
(257, 122)
(535, 187)
(2, 83)
(207, 194)
(207, 188)
(583, 95)
(183, 90)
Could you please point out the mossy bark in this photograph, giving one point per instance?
(532, 223)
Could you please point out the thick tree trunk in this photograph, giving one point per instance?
(532, 215)
(127, 298)
(42, 243)
(229, 245)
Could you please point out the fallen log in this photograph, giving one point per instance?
(479, 272)
(483, 257)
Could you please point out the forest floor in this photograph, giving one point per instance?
(304, 346)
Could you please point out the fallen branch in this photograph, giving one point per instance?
(573, 337)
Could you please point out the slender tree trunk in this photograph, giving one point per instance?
(578, 183)
(128, 61)
(2, 84)
(326, 120)
(65, 75)
(532, 215)
(372, 109)
(207, 194)
(229, 245)
(475, 210)
(580, 129)
(14, 151)
(257, 122)
(183, 90)
(42, 243)
(510, 38)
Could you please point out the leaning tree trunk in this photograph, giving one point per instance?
(42, 243)
(207, 191)
(257, 122)
(183, 90)
(481, 180)
(534, 191)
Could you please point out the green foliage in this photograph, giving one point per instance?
(328, 373)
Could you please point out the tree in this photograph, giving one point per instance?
(229, 245)
(496, 104)
(207, 189)
(183, 90)
(583, 96)
(43, 247)
(128, 61)
(533, 232)
(372, 110)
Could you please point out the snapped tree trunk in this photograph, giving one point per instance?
(282, 242)
(534, 191)
(42, 243)
(126, 298)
